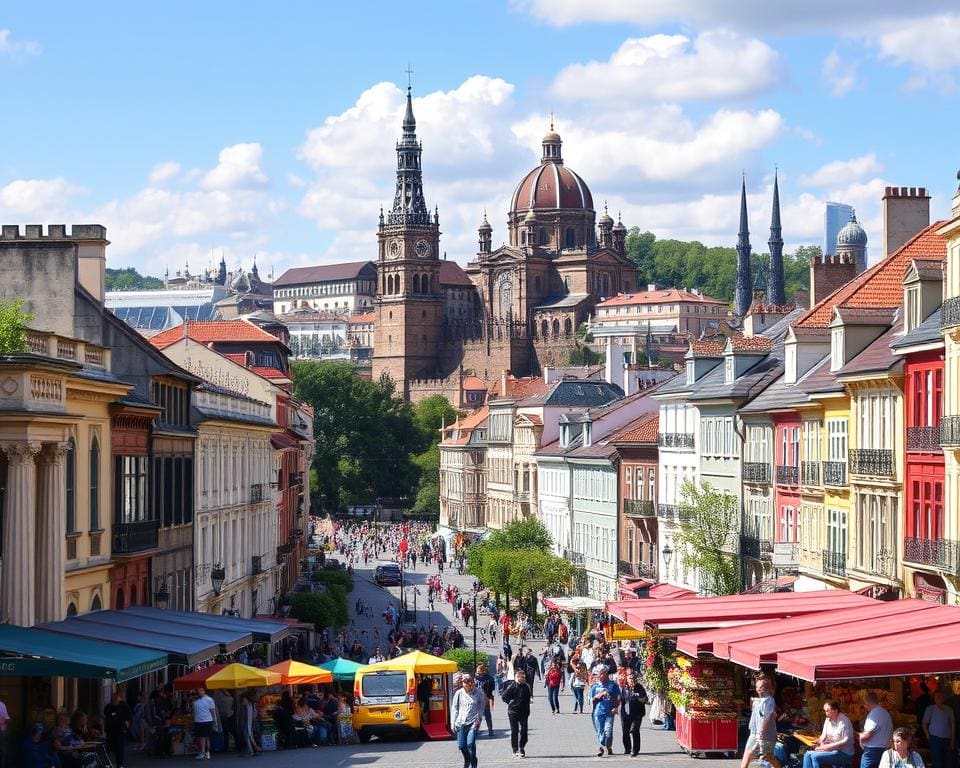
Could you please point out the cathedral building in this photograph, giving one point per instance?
(519, 305)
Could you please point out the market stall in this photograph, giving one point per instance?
(703, 692)
(297, 673)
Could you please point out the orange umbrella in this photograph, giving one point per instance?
(297, 673)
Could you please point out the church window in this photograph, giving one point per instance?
(390, 315)
(523, 237)
(536, 282)
(423, 314)
(570, 238)
(567, 327)
(543, 239)
(544, 329)
(556, 329)
(566, 283)
(416, 283)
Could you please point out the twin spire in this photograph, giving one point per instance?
(776, 290)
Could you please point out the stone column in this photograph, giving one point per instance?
(51, 531)
(18, 587)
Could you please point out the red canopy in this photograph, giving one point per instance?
(728, 610)
(929, 651)
(719, 641)
(196, 678)
(901, 616)
(616, 608)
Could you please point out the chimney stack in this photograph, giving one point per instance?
(906, 211)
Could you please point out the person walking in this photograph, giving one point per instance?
(517, 695)
(763, 726)
(204, 722)
(116, 722)
(225, 708)
(938, 725)
(835, 745)
(632, 711)
(605, 695)
(553, 679)
(486, 686)
(578, 681)
(467, 710)
(877, 731)
(246, 721)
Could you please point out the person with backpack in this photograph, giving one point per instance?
(554, 682)
(517, 695)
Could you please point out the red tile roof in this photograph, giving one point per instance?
(322, 274)
(707, 348)
(208, 331)
(268, 373)
(519, 388)
(751, 343)
(452, 273)
(642, 430)
(881, 286)
(238, 357)
(474, 382)
(463, 428)
(663, 296)
(366, 317)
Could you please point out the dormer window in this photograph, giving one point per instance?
(728, 370)
(564, 435)
(587, 434)
(836, 349)
(911, 308)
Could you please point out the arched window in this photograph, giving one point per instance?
(72, 609)
(567, 283)
(567, 327)
(71, 467)
(544, 329)
(416, 283)
(95, 604)
(95, 485)
(542, 237)
(133, 595)
(556, 328)
(523, 237)
(569, 238)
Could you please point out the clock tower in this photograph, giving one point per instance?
(409, 303)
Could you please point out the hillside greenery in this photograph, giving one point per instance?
(130, 280)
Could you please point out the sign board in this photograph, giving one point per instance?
(785, 555)
(626, 632)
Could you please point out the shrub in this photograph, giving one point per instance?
(465, 659)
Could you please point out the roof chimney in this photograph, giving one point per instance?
(503, 383)
(906, 211)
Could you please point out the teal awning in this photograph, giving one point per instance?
(34, 652)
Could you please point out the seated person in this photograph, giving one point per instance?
(65, 743)
(37, 752)
(835, 745)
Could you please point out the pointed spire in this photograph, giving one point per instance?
(743, 293)
(409, 123)
(776, 291)
(409, 206)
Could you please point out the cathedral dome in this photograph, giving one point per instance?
(551, 185)
(852, 234)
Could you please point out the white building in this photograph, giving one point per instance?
(346, 288)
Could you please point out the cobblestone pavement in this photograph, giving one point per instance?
(565, 739)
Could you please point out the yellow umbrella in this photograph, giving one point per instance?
(297, 673)
(241, 676)
(421, 663)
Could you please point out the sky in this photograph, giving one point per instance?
(247, 130)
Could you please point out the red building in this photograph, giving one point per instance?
(787, 477)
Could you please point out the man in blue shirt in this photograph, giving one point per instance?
(605, 695)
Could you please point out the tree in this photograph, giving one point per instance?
(528, 533)
(323, 609)
(709, 523)
(13, 327)
(130, 280)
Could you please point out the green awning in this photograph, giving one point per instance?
(34, 652)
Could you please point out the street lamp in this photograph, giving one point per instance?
(474, 633)
(217, 577)
(667, 553)
(161, 596)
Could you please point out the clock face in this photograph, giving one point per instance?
(423, 249)
(393, 249)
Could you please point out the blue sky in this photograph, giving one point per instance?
(195, 129)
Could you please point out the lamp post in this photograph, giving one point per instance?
(217, 577)
(160, 595)
(667, 553)
(474, 633)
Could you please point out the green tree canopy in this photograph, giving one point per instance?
(709, 525)
(528, 533)
(13, 327)
(130, 280)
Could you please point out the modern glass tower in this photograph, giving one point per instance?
(835, 218)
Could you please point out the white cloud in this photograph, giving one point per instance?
(239, 168)
(12, 47)
(786, 15)
(838, 74)
(717, 64)
(164, 172)
(842, 171)
(37, 197)
(929, 42)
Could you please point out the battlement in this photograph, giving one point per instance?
(33, 232)
(917, 192)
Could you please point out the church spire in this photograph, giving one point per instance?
(776, 293)
(409, 207)
(743, 293)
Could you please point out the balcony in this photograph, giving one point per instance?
(294, 478)
(942, 554)
(835, 473)
(756, 547)
(950, 312)
(256, 493)
(950, 431)
(674, 440)
(810, 473)
(636, 570)
(923, 439)
(756, 472)
(872, 461)
(835, 563)
(639, 508)
(130, 538)
(788, 475)
(671, 512)
(256, 565)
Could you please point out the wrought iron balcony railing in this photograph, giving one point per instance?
(950, 312)
(942, 554)
(788, 475)
(950, 431)
(675, 440)
(810, 473)
(834, 473)
(140, 536)
(636, 570)
(923, 439)
(835, 563)
(576, 558)
(756, 472)
(638, 508)
(872, 461)
(671, 512)
(756, 547)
